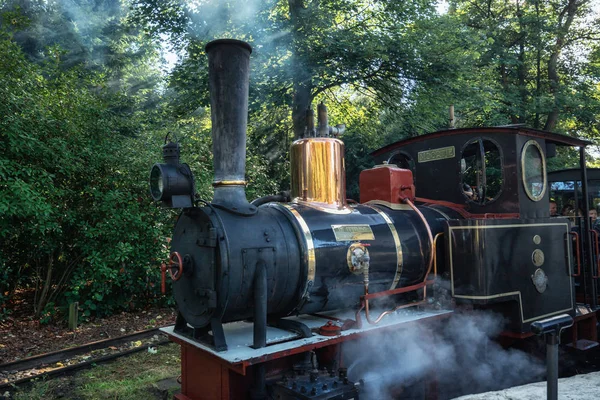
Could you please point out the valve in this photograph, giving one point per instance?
(175, 268)
(358, 257)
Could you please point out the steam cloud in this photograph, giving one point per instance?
(459, 354)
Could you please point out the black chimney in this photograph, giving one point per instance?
(228, 74)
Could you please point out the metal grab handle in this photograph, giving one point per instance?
(595, 233)
(578, 256)
(440, 234)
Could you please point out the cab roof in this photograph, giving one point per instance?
(550, 137)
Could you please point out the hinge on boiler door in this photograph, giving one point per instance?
(209, 239)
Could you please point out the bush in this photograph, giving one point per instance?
(76, 223)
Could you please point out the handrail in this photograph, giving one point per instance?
(435, 253)
(578, 257)
(595, 234)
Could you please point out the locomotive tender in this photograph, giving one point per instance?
(308, 268)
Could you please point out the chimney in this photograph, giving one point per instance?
(228, 74)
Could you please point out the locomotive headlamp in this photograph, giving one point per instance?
(172, 182)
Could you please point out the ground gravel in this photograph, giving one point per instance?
(579, 387)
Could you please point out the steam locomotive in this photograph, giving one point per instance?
(271, 290)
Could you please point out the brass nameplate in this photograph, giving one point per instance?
(436, 154)
(352, 232)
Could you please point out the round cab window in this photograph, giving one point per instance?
(533, 167)
(402, 160)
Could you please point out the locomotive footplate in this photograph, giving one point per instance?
(210, 374)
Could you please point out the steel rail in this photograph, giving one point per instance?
(60, 355)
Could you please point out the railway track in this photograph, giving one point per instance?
(59, 362)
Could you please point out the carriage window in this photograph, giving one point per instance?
(533, 167)
(402, 160)
(481, 171)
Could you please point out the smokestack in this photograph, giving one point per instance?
(228, 75)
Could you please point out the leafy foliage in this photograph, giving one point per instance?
(75, 222)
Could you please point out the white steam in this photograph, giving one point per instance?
(460, 354)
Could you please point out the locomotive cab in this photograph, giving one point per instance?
(506, 253)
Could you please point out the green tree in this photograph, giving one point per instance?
(77, 141)
(535, 57)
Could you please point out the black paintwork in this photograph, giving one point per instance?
(228, 78)
(441, 179)
(223, 250)
(494, 257)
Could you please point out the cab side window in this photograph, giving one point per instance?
(481, 171)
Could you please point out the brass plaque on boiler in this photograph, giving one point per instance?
(436, 154)
(352, 232)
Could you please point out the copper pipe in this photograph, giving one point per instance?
(367, 296)
(383, 314)
(357, 315)
(385, 293)
(396, 291)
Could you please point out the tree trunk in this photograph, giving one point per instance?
(300, 103)
(302, 97)
(506, 87)
(521, 69)
(42, 300)
(538, 76)
(565, 20)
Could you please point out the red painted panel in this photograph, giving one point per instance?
(204, 377)
(386, 183)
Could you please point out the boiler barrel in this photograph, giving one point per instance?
(306, 251)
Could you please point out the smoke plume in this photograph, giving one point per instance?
(459, 354)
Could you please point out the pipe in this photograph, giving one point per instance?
(283, 197)
(440, 234)
(228, 75)
(365, 302)
(310, 123)
(260, 380)
(552, 366)
(260, 305)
